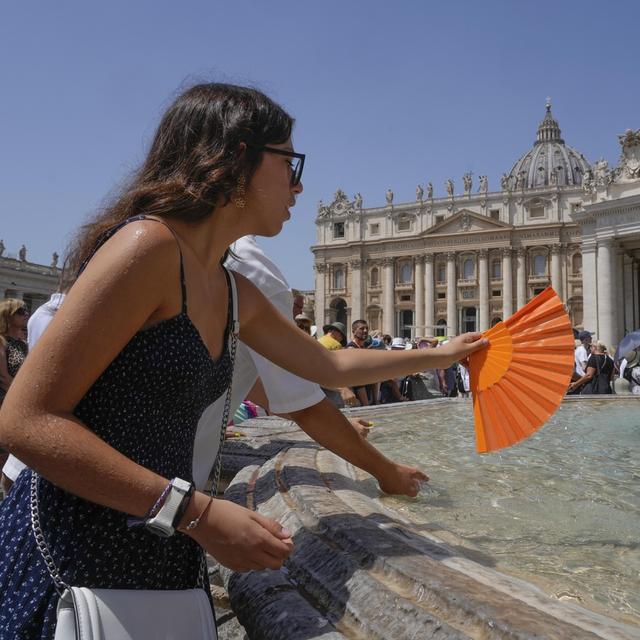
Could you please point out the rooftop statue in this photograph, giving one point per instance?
(22, 254)
(419, 193)
(1, 247)
(429, 191)
(449, 186)
(389, 196)
(467, 182)
(484, 184)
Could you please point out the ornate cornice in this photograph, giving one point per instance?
(320, 267)
(506, 252)
(429, 257)
(483, 254)
(387, 262)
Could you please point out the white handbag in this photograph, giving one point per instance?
(136, 614)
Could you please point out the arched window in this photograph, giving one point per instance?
(468, 269)
(374, 277)
(539, 265)
(441, 327)
(494, 321)
(406, 275)
(576, 264)
(338, 278)
(496, 269)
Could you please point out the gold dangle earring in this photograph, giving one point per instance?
(240, 191)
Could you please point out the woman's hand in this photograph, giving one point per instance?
(460, 347)
(241, 539)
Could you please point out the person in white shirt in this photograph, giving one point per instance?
(582, 353)
(288, 395)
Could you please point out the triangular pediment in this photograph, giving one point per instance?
(466, 221)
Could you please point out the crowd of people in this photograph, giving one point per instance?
(450, 382)
(596, 372)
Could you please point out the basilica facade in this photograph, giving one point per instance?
(444, 265)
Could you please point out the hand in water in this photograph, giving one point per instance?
(402, 480)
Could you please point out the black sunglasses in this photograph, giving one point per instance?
(21, 311)
(297, 164)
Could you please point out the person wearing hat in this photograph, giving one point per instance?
(582, 353)
(304, 322)
(335, 336)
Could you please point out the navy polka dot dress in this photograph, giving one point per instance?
(146, 404)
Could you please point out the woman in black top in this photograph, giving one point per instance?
(599, 372)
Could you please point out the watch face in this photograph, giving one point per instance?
(159, 530)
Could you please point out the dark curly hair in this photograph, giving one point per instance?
(194, 162)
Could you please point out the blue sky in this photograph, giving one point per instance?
(385, 95)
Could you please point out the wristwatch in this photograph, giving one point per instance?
(164, 523)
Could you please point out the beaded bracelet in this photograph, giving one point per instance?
(133, 521)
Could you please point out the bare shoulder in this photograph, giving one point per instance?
(143, 240)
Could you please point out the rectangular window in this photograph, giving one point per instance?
(404, 224)
(441, 295)
(538, 290)
(338, 229)
(494, 214)
(374, 228)
(536, 211)
(406, 298)
(496, 293)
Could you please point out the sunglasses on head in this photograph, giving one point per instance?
(22, 311)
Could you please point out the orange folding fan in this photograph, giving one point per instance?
(519, 380)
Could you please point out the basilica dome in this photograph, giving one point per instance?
(551, 162)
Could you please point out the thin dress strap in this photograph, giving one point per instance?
(113, 230)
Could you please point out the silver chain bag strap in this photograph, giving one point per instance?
(137, 614)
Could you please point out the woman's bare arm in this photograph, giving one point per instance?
(264, 329)
(124, 285)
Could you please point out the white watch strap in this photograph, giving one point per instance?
(163, 520)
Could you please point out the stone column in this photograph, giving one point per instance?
(635, 269)
(429, 294)
(628, 296)
(606, 292)
(507, 284)
(452, 292)
(418, 268)
(388, 308)
(521, 278)
(356, 289)
(589, 293)
(321, 269)
(618, 278)
(556, 269)
(483, 283)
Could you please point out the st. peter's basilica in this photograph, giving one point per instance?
(443, 265)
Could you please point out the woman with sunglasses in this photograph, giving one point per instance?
(13, 341)
(143, 341)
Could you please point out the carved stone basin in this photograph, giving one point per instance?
(362, 570)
